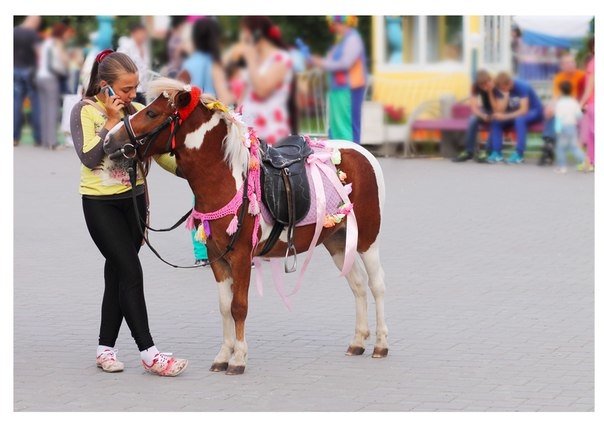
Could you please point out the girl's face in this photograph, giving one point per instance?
(125, 86)
(245, 36)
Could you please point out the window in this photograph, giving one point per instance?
(444, 39)
(493, 27)
(402, 39)
(422, 41)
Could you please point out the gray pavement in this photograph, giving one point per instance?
(489, 274)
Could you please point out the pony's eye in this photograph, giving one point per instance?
(151, 114)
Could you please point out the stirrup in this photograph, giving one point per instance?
(291, 269)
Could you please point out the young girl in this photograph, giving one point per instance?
(109, 212)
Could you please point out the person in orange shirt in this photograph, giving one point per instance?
(576, 78)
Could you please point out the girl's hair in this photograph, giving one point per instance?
(206, 37)
(263, 27)
(108, 66)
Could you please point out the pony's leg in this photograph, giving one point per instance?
(371, 259)
(225, 298)
(356, 279)
(222, 273)
(241, 283)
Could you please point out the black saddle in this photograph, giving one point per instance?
(285, 187)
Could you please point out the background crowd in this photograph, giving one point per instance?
(253, 63)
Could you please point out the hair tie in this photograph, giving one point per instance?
(274, 32)
(102, 55)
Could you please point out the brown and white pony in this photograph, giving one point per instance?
(211, 156)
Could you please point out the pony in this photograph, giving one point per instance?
(216, 153)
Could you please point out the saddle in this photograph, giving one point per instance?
(285, 188)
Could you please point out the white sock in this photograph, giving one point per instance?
(101, 348)
(149, 354)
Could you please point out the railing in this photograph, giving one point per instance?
(311, 101)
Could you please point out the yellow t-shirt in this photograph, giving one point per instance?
(101, 176)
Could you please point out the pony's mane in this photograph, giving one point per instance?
(233, 145)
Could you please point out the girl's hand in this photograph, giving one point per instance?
(114, 105)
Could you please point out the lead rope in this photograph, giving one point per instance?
(133, 165)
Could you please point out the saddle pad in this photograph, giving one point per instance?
(332, 200)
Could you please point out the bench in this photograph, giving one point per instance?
(453, 129)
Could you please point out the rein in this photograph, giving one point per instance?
(140, 224)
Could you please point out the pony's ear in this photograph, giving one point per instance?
(182, 99)
(184, 76)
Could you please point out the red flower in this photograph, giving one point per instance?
(260, 121)
(278, 115)
(255, 97)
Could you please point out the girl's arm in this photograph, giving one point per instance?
(264, 85)
(589, 88)
(88, 144)
(220, 84)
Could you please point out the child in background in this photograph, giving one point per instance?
(567, 115)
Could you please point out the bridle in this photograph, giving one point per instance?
(131, 152)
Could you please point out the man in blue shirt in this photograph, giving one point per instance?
(517, 106)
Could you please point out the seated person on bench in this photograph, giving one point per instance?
(517, 106)
(481, 101)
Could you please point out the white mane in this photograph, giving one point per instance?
(236, 154)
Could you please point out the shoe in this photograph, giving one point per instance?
(463, 156)
(165, 365)
(561, 170)
(202, 262)
(515, 159)
(583, 167)
(495, 157)
(15, 143)
(482, 157)
(108, 362)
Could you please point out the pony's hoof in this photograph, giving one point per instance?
(380, 352)
(219, 366)
(355, 351)
(235, 369)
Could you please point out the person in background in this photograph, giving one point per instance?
(481, 104)
(53, 65)
(204, 70)
(517, 106)
(137, 48)
(567, 115)
(576, 78)
(176, 51)
(111, 219)
(25, 45)
(269, 101)
(347, 67)
(588, 105)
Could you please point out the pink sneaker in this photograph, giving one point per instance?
(165, 365)
(107, 360)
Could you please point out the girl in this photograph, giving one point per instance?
(268, 104)
(109, 212)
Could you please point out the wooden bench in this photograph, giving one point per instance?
(453, 129)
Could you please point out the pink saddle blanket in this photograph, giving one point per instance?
(332, 200)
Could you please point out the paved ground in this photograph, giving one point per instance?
(489, 302)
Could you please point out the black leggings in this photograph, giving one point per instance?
(112, 226)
